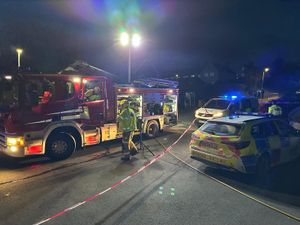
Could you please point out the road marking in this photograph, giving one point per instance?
(233, 188)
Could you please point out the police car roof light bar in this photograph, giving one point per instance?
(253, 114)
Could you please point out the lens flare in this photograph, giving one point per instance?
(136, 40)
(124, 38)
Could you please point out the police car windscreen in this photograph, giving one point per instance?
(221, 129)
(217, 104)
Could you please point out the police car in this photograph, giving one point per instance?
(224, 106)
(245, 143)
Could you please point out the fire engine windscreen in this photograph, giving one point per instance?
(93, 90)
(9, 94)
(134, 100)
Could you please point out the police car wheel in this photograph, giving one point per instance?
(152, 129)
(60, 146)
(263, 166)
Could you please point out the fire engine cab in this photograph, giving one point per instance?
(54, 114)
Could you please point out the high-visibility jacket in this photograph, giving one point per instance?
(275, 110)
(166, 108)
(127, 120)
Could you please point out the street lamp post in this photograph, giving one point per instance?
(129, 64)
(19, 52)
(130, 40)
(263, 79)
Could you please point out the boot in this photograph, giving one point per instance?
(124, 147)
(133, 152)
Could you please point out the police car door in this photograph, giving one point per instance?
(290, 141)
(273, 139)
(267, 140)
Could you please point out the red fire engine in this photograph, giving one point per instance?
(54, 114)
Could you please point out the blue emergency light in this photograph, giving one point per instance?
(230, 97)
(234, 116)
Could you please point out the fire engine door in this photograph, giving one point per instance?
(94, 98)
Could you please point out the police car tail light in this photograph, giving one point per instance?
(237, 144)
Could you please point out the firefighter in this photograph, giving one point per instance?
(93, 94)
(127, 124)
(275, 110)
(167, 108)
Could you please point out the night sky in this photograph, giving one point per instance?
(178, 36)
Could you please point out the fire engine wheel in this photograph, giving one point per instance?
(60, 146)
(152, 129)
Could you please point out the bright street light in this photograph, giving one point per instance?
(136, 40)
(130, 40)
(124, 38)
(8, 77)
(267, 69)
(19, 52)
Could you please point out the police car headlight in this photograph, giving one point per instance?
(15, 141)
(219, 114)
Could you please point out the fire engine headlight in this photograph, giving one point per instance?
(219, 114)
(15, 141)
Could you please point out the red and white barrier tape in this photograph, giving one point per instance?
(157, 157)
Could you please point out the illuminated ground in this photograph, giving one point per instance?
(168, 192)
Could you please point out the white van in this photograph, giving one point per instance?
(224, 106)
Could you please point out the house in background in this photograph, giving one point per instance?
(210, 81)
(209, 74)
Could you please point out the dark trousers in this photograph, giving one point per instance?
(127, 143)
